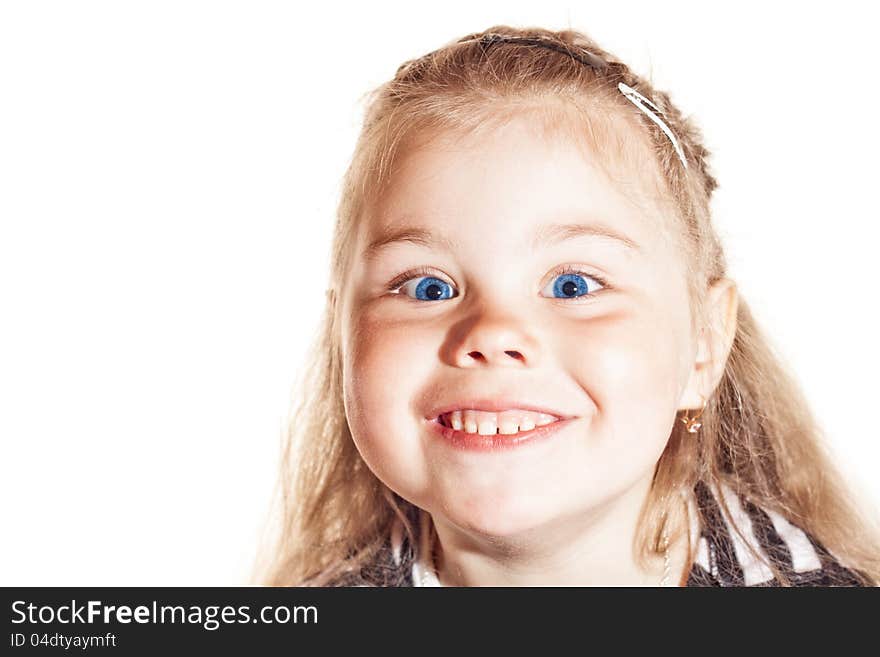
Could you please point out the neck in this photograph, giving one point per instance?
(592, 549)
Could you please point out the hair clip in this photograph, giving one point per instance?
(642, 103)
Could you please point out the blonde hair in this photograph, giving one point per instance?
(758, 435)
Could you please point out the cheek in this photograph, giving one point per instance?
(383, 364)
(629, 366)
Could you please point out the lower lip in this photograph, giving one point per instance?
(494, 442)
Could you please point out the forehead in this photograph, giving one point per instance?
(519, 182)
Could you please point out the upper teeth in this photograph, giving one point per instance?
(488, 423)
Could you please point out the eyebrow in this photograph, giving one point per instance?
(545, 236)
(407, 234)
(556, 233)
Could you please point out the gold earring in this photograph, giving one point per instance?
(691, 422)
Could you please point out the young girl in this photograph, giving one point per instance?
(533, 369)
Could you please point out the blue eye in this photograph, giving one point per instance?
(429, 288)
(572, 284)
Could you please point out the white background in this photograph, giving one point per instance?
(168, 180)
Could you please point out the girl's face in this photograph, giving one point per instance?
(509, 238)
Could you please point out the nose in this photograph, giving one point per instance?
(495, 342)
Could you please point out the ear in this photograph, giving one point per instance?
(713, 344)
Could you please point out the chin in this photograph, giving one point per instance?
(500, 516)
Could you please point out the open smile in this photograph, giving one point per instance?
(464, 440)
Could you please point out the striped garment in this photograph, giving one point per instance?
(722, 557)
